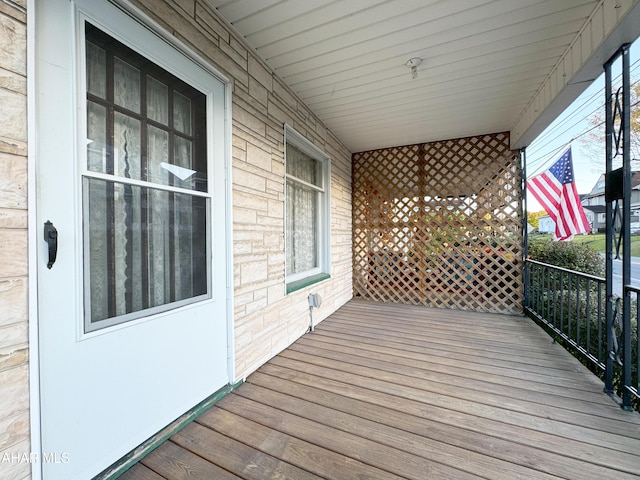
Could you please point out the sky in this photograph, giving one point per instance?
(572, 125)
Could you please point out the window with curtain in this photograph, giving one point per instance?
(307, 212)
(145, 192)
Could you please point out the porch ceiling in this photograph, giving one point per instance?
(489, 65)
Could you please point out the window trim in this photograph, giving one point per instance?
(198, 83)
(300, 280)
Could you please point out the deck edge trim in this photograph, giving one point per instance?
(145, 448)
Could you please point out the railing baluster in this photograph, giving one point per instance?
(627, 359)
(555, 303)
(600, 356)
(535, 292)
(561, 302)
(637, 345)
(578, 316)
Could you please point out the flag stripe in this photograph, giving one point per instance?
(546, 191)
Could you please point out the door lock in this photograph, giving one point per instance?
(51, 237)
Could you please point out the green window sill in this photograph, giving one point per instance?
(305, 282)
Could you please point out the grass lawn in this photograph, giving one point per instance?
(597, 241)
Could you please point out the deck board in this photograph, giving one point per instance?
(396, 391)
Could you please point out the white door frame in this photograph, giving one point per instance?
(35, 230)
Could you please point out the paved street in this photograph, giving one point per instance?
(617, 274)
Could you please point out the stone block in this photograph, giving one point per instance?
(250, 180)
(13, 218)
(249, 200)
(15, 9)
(284, 93)
(206, 16)
(13, 336)
(253, 272)
(13, 253)
(258, 71)
(258, 92)
(188, 7)
(13, 115)
(243, 117)
(13, 301)
(14, 385)
(14, 358)
(14, 430)
(259, 157)
(13, 45)
(13, 146)
(233, 54)
(12, 81)
(13, 181)
(244, 215)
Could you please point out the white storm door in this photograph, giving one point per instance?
(131, 174)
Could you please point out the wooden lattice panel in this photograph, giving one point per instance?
(439, 224)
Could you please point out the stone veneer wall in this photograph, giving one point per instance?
(14, 367)
(266, 319)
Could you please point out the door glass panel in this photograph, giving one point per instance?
(96, 137)
(146, 227)
(126, 146)
(126, 88)
(182, 113)
(146, 248)
(157, 101)
(96, 70)
(158, 155)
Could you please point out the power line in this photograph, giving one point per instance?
(543, 159)
(578, 109)
(593, 127)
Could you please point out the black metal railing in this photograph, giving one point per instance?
(572, 306)
(629, 348)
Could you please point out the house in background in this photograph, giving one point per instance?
(594, 202)
(179, 176)
(546, 224)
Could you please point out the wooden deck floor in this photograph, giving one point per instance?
(383, 391)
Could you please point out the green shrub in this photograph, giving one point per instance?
(571, 255)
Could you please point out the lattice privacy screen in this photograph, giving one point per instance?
(439, 224)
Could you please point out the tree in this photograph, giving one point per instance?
(532, 217)
(594, 140)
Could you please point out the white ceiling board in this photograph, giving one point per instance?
(516, 60)
(336, 22)
(484, 60)
(420, 39)
(409, 28)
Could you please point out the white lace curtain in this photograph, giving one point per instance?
(303, 173)
(145, 245)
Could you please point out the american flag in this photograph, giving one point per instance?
(556, 191)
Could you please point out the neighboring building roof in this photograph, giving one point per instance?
(598, 188)
(595, 208)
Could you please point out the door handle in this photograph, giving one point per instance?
(51, 237)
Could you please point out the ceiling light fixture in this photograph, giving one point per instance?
(413, 64)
